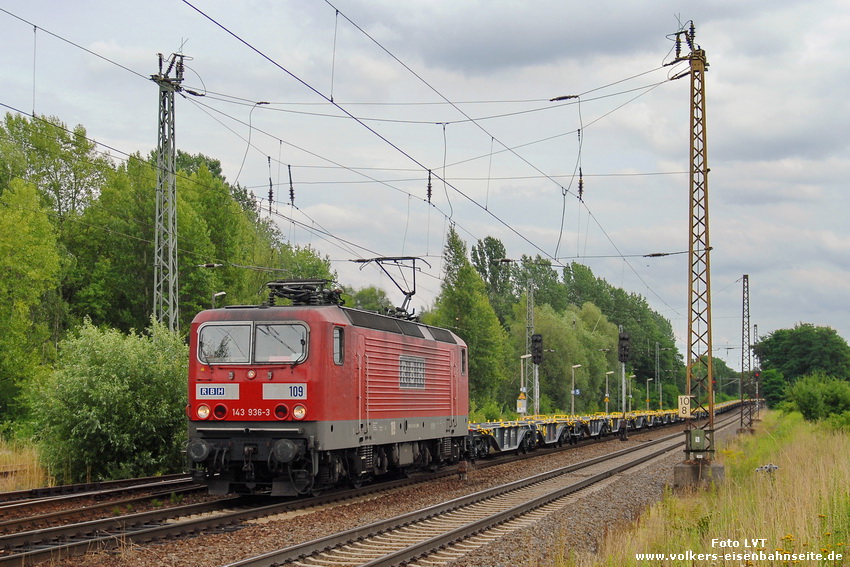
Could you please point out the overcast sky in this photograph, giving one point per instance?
(463, 88)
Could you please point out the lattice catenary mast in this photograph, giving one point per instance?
(746, 384)
(757, 373)
(165, 230)
(700, 376)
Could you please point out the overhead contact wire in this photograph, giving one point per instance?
(359, 121)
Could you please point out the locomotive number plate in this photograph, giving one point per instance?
(284, 391)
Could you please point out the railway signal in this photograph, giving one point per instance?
(623, 348)
(537, 348)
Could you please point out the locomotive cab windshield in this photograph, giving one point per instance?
(270, 343)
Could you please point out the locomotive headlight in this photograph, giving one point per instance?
(299, 411)
(203, 411)
(252, 374)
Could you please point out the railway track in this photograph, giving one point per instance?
(37, 543)
(51, 543)
(42, 511)
(103, 487)
(407, 538)
(54, 542)
(27, 520)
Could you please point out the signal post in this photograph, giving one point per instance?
(623, 355)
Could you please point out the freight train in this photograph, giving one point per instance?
(292, 399)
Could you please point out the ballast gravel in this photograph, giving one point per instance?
(577, 528)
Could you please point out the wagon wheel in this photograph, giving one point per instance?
(522, 448)
(563, 438)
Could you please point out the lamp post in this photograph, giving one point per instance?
(630, 391)
(658, 350)
(522, 377)
(217, 295)
(573, 391)
(607, 374)
(648, 380)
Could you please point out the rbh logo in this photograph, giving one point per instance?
(211, 391)
(217, 392)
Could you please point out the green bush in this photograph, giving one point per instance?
(490, 411)
(114, 407)
(818, 396)
(836, 396)
(806, 394)
(839, 421)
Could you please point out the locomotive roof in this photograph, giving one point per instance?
(356, 317)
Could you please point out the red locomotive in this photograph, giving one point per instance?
(292, 399)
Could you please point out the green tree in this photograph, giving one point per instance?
(212, 228)
(114, 406)
(302, 262)
(68, 173)
(583, 286)
(29, 269)
(805, 349)
(62, 163)
(488, 257)
(192, 163)
(463, 307)
(370, 299)
(111, 278)
(725, 380)
(772, 387)
(647, 329)
(577, 336)
(538, 275)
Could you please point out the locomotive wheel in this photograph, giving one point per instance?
(301, 477)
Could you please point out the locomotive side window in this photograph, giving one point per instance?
(463, 362)
(280, 343)
(222, 344)
(339, 343)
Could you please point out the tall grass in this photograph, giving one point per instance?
(19, 467)
(802, 506)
